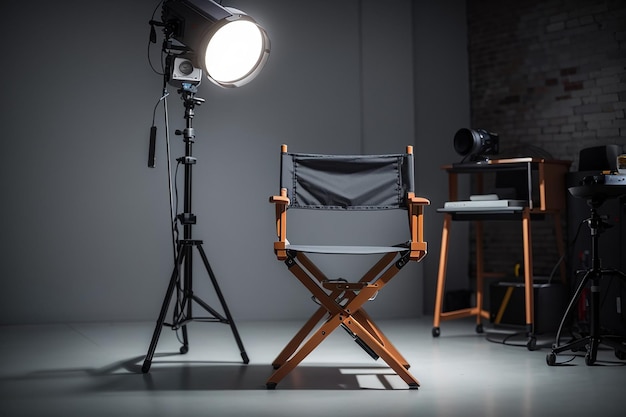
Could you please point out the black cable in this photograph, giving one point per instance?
(179, 306)
(572, 243)
(569, 307)
(163, 96)
(150, 40)
(175, 230)
(163, 99)
(179, 314)
(505, 340)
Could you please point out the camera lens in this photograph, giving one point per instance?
(465, 140)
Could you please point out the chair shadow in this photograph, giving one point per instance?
(177, 375)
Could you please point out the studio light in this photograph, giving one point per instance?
(230, 48)
(225, 43)
(476, 144)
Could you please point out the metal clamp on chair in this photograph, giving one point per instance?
(346, 183)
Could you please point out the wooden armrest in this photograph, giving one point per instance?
(416, 222)
(418, 200)
(281, 202)
(279, 199)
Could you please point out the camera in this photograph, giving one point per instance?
(476, 143)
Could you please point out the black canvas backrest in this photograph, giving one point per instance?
(347, 182)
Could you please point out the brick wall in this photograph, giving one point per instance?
(550, 77)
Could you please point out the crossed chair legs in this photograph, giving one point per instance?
(342, 302)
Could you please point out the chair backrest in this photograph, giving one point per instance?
(347, 182)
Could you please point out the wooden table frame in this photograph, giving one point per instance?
(550, 201)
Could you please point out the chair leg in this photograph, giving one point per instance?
(364, 319)
(394, 362)
(312, 342)
(360, 324)
(296, 341)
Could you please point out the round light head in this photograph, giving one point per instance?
(234, 50)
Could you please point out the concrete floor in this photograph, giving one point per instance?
(94, 370)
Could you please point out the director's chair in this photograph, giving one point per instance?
(346, 183)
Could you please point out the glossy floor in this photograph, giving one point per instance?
(94, 370)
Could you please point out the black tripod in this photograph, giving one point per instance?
(595, 195)
(182, 276)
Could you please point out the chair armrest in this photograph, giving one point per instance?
(279, 199)
(418, 200)
(281, 203)
(416, 222)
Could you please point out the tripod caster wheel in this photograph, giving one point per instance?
(145, 368)
(270, 385)
(436, 331)
(551, 359)
(531, 344)
(589, 360)
(479, 328)
(619, 354)
(184, 349)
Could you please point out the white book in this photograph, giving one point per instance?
(482, 197)
(485, 203)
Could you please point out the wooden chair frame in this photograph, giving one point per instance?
(341, 303)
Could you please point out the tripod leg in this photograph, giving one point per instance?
(166, 302)
(594, 337)
(205, 260)
(185, 347)
(592, 351)
(188, 295)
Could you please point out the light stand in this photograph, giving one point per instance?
(182, 276)
(230, 48)
(595, 195)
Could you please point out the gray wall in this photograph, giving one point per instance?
(85, 232)
(441, 108)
